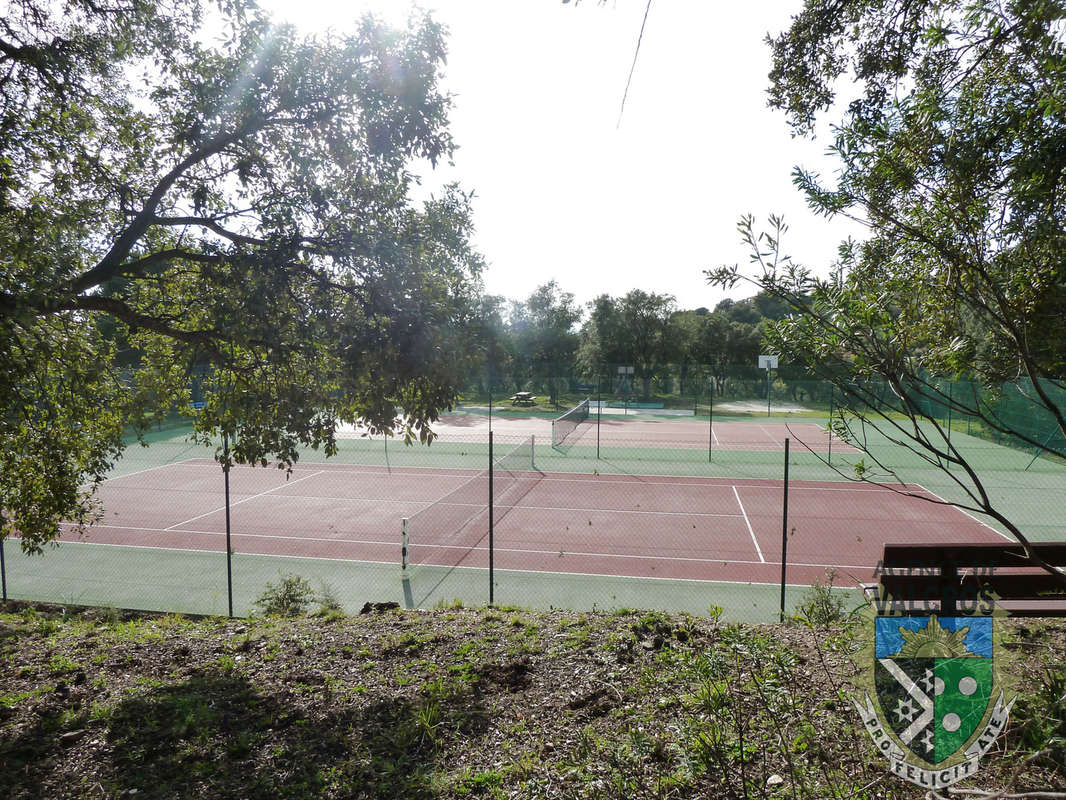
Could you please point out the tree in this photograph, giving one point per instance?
(646, 328)
(543, 327)
(686, 328)
(495, 343)
(601, 337)
(242, 206)
(633, 330)
(953, 152)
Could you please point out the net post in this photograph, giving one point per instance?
(784, 534)
(491, 542)
(533, 452)
(404, 540)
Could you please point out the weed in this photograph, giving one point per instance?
(472, 649)
(289, 597)
(329, 605)
(60, 665)
(11, 700)
(226, 664)
(821, 606)
(48, 627)
(109, 615)
(1043, 717)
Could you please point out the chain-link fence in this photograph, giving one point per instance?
(672, 499)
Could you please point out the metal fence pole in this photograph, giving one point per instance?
(3, 569)
(949, 412)
(491, 532)
(229, 546)
(831, 388)
(767, 391)
(599, 413)
(710, 423)
(784, 535)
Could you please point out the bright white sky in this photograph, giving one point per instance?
(561, 190)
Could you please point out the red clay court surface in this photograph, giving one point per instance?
(717, 529)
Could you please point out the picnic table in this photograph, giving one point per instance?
(523, 399)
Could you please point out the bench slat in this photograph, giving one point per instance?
(946, 576)
(969, 555)
(1020, 587)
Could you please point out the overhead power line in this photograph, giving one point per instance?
(633, 66)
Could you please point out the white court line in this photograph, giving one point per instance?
(745, 513)
(714, 435)
(245, 500)
(427, 503)
(670, 480)
(714, 560)
(498, 569)
(770, 436)
(183, 462)
(676, 480)
(285, 537)
(968, 514)
(430, 545)
(215, 552)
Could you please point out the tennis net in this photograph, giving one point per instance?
(446, 532)
(563, 427)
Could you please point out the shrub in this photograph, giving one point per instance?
(821, 606)
(289, 597)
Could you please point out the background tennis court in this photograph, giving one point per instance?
(654, 522)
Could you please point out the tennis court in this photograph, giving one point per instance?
(615, 430)
(626, 527)
(636, 512)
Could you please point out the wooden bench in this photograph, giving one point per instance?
(959, 579)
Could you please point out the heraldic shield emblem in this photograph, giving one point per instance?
(936, 703)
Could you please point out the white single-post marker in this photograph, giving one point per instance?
(403, 548)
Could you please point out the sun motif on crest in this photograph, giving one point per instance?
(933, 641)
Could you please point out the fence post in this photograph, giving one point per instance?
(599, 413)
(491, 509)
(710, 422)
(767, 391)
(229, 547)
(831, 392)
(784, 535)
(3, 568)
(949, 411)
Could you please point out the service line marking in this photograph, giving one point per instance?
(748, 521)
(245, 500)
